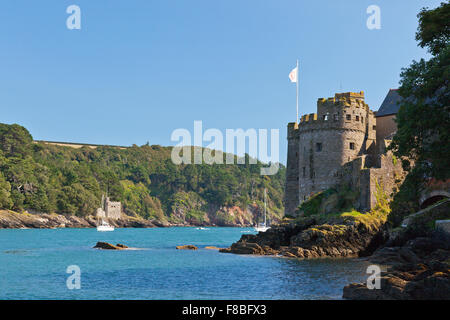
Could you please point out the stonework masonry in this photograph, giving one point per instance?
(110, 209)
(338, 145)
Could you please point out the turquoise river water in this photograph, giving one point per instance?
(33, 265)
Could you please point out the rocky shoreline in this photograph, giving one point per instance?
(417, 262)
(309, 239)
(14, 220)
(418, 270)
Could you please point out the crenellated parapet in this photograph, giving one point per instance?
(342, 129)
(292, 130)
(308, 118)
(344, 111)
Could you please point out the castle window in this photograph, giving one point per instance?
(304, 172)
(352, 146)
(374, 127)
(318, 147)
(357, 118)
(325, 117)
(348, 117)
(362, 119)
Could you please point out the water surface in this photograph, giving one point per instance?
(33, 265)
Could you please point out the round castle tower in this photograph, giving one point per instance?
(342, 129)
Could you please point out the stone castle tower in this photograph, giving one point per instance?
(336, 145)
(109, 209)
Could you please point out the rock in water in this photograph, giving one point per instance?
(121, 246)
(187, 247)
(108, 246)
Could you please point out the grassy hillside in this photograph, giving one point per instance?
(50, 178)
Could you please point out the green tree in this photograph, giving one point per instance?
(15, 140)
(5, 193)
(50, 178)
(434, 28)
(423, 119)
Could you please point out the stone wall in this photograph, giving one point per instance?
(291, 192)
(386, 126)
(357, 176)
(337, 145)
(113, 209)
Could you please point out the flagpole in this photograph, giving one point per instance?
(296, 83)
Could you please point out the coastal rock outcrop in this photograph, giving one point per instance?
(109, 246)
(187, 247)
(308, 239)
(418, 270)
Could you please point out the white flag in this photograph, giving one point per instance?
(294, 75)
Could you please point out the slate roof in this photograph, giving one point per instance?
(390, 104)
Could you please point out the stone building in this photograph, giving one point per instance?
(386, 114)
(340, 144)
(109, 209)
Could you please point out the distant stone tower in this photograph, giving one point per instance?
(343, 129)
(110, 209)
(113, 209)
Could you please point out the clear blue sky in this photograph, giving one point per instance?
(137, 70)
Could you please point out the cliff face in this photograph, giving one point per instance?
(190, 209)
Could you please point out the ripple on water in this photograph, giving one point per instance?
(34, 263)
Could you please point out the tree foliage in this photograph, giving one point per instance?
(423, 119)
(422, 140)
(434, 28)
(50, 178)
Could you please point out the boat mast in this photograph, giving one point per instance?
(265, 191)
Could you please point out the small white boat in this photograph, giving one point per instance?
(263, 226)
(104, 226)
(201, 228)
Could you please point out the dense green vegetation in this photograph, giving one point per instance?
(333, 206)
(423, 136)
(50, 178)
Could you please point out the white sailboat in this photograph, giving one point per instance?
(263, 226)
(104, 226)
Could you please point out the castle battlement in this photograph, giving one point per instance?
(343, 100)
(308, 117)
(344, 111)
(322, 144)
